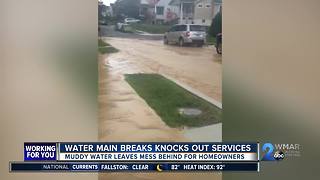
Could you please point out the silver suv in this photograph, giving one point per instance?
(186, 34)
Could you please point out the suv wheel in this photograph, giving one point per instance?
(219, 48)
(165, 40)
(181, 42)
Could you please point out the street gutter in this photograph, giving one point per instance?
(147, 34)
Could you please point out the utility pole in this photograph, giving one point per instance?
(181, 11)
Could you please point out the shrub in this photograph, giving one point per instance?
(216, 25)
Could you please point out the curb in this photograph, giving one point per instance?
(147, 34)
(195, 92)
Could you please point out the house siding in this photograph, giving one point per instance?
(203, 12)
(169, 13)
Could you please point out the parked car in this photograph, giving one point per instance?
(131, 20)
(103, 22)
(119, 26)
(123, 27)
(186, 34)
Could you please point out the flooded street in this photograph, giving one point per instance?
(200, 68)
(126, 117)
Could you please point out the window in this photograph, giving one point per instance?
(200, 5)
(160, 10)
(182, 28)
(198, 28)
(208, 5)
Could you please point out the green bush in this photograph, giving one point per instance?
(216, 25)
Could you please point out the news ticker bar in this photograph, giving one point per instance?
(141, 152)
(131, 167)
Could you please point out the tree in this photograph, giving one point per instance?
(128, 8)
(216, 25)
(101, 11)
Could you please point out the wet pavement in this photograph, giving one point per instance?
(212, 133)
(200, 68)
(125, 117)
(109, 31)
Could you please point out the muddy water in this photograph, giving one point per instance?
(124, 116)
(199, 68)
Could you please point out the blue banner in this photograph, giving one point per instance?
(131, 167)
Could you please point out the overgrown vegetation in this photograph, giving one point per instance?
(166, 97)
(215, 28)
(126, 8)
(211, 40)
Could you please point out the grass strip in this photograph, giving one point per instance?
(166, 97)
(104, 47)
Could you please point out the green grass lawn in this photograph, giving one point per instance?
(151, 28)
(104, 47)
(166, 97)
(102, 43)
(108, 49)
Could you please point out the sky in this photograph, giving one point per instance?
(107, 2)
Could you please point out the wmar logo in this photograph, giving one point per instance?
(268, 149)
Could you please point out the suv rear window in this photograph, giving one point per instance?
(197, 28)
(182, 28)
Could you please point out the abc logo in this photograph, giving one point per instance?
(278, 155)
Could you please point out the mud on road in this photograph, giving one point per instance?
(200, 68)
(125, 117)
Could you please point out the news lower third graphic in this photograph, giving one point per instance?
(144, 157)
